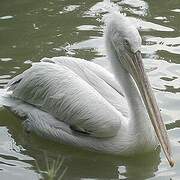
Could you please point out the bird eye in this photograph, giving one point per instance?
(126, 43)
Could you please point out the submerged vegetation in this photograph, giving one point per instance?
(54, 169)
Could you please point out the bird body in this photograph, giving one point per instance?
(85, 102)
(80, 103)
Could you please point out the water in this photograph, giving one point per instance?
(31, 30)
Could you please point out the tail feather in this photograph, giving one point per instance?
(12, 84)
(41, 122)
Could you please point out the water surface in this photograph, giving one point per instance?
(31, 30)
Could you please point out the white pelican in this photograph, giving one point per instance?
(80, 103)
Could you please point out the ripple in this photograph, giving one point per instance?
(71, 8)
(87, 28)
(176, 10)
(171, 45)
(102, 8)
(137, 7)
(12, 161)
(160, 18)
(94, 42)
(9, 148)
(135, 3)
(6, 59)
(175, 41)
(165, 174)
(149, 26)
(6, 17)
(4, 79)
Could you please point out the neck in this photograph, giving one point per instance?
(139, 124)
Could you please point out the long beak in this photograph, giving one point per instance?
(142, 81)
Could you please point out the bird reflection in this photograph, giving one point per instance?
(82, 164)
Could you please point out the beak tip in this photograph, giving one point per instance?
(172, 162)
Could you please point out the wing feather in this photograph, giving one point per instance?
(96, 76)
(65, 95)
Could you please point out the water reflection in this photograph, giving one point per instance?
(80, 163)
(14, 164)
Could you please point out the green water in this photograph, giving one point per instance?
(31, 30)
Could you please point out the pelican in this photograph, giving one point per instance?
(77, 102)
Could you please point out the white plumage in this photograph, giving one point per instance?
(80, 103)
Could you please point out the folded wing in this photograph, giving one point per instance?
(62, 93)
(97, 77)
